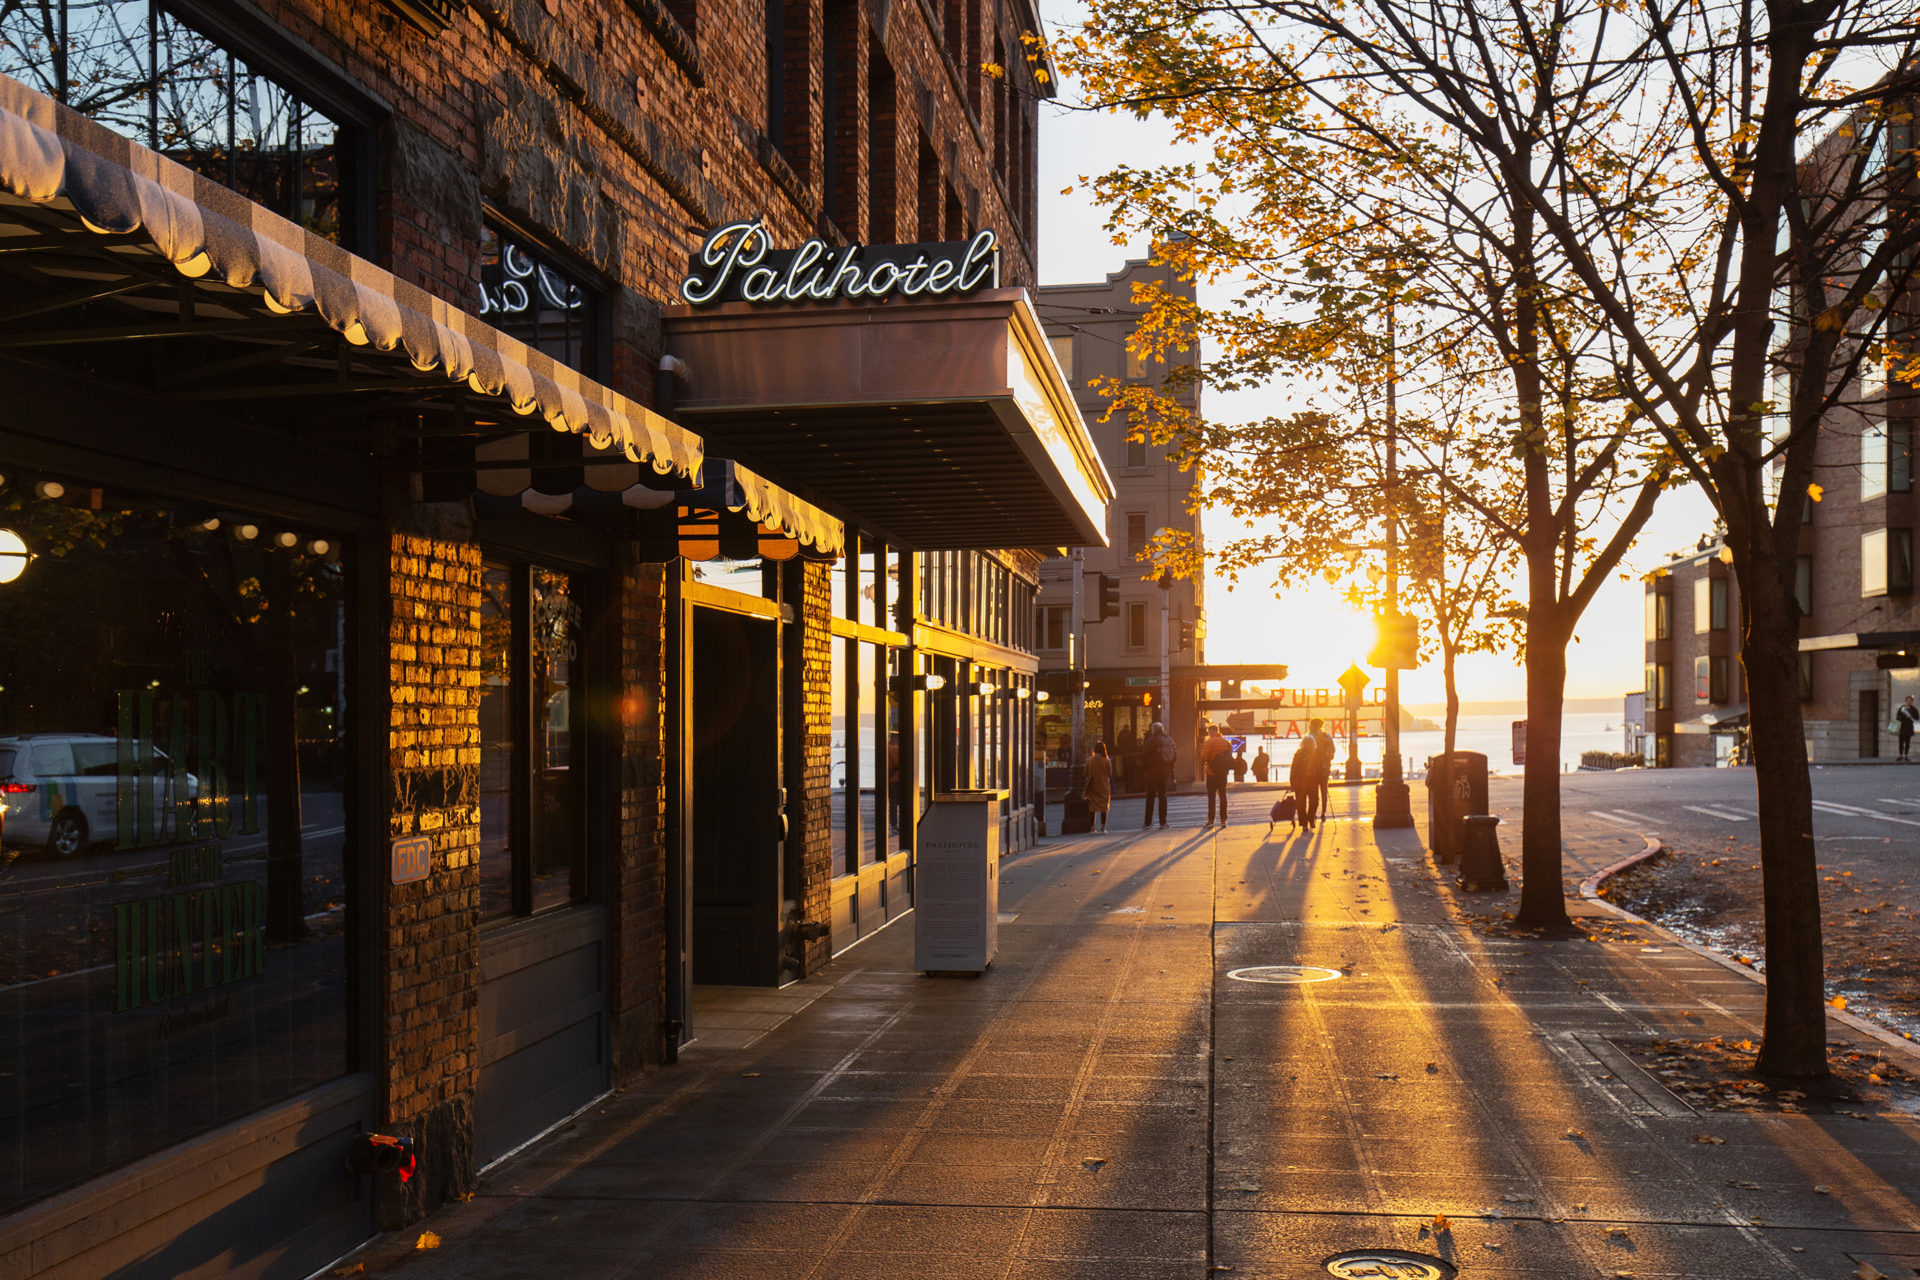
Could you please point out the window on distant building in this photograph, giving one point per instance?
(1053, 626)
(1873, 459)
(1709, 605)
(1063, 352)
(1136, 455)
(1136, 624)
(1136, 534)
(1710, 680)
(1886, 562)
(1659, 615)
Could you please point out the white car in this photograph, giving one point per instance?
(61, 790)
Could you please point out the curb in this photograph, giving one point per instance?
(1590, 892)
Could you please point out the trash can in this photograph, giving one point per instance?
(956, 886)
(1456, 789)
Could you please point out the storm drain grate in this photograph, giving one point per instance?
(1284, 973)
(1389, 1264)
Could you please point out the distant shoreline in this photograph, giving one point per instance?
(1517, 708)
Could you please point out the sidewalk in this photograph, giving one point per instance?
(1114, 1099)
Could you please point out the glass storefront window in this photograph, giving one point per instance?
(174, 823)
(532, 789)
(840, 762)
(871, 752)
(142, 72)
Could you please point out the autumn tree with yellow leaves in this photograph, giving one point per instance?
(1656, 211)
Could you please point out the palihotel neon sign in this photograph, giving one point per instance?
(738, 263)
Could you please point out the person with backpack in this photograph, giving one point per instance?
(1216, 762)
(1303, 775)
(1156, 770)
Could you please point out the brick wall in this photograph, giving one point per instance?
(430, 998)
(623, 132)
(816, 766)
(637, 867)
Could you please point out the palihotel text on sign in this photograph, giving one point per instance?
(738, 263)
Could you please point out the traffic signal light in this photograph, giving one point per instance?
(1397, 642)
(1186, 636)
(1109, 596)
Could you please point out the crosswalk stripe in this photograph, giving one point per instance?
(1637, 817)
(1616, 820)
(1715, 813)
(1855, 811)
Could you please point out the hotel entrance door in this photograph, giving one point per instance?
(737, 826)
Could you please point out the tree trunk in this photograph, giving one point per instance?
(1794, 1041)
(1543, 903)
(1453, 701)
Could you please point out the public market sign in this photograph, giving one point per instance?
(738, 263)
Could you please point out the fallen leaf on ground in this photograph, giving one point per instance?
(427, 1240)
(1440, 1224)
(1092, 1162)
(1709, 1138)
(1575, 1135)
(358, 1268)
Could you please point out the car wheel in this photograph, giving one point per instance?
(68, 834)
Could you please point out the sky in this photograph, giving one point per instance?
(1313, 631)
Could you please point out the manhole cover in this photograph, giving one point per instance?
(1389, 1264)
(1286, 973)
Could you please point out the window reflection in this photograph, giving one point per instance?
(143, 73)
(532, 853)
(174, 886)
(531, 297)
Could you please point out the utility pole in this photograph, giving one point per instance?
(1392, 803)
(1075, 817)
(1077, 662)
(1166, 656)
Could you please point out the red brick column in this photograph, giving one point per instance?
(637, 870)
(816, 765)
(430, 997)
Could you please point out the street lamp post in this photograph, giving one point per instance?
(1392, 802)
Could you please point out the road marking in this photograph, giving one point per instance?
(1618, 821)
(1855, 811)
(1715, 813)
(1637, 817)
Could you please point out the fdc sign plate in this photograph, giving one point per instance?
(412, 858)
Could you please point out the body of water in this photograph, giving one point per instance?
(1490, 735)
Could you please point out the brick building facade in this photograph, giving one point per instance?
(493, 739)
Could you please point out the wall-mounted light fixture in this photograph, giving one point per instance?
(907, 682)
(1023, 693)
(50, 490)
(1042, 696)
(319, 547)
(246, 532)
(286, 540)
(13, 555)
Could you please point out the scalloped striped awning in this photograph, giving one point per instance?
(54, 157)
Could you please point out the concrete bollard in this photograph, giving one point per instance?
(1481, 868)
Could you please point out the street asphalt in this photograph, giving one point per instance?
(1122, 1096)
